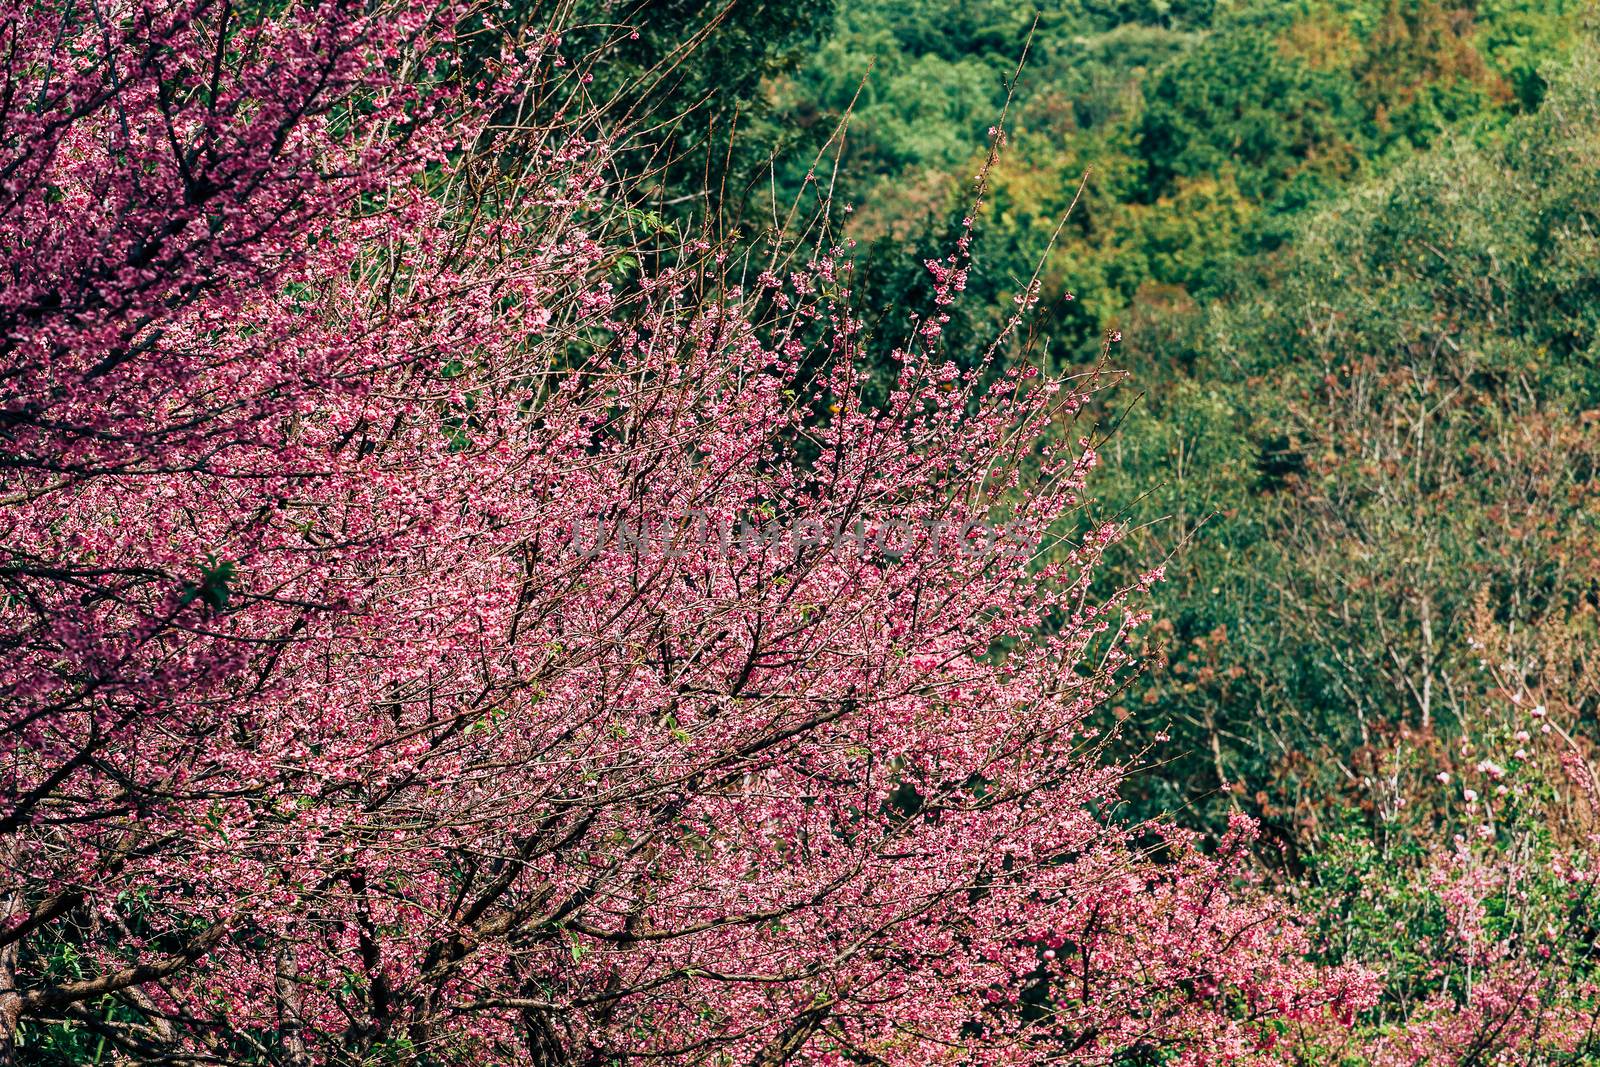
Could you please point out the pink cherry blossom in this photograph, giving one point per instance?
(320, 742)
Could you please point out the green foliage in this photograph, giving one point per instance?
(1396, 414)
(1210, 131)
(1238, 105)
(213, 588)
(681, 76)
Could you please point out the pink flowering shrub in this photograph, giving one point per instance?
(1156, 953)
(1475, 878)
(328, 739)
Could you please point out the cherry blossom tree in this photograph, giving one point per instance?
(431, 637)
